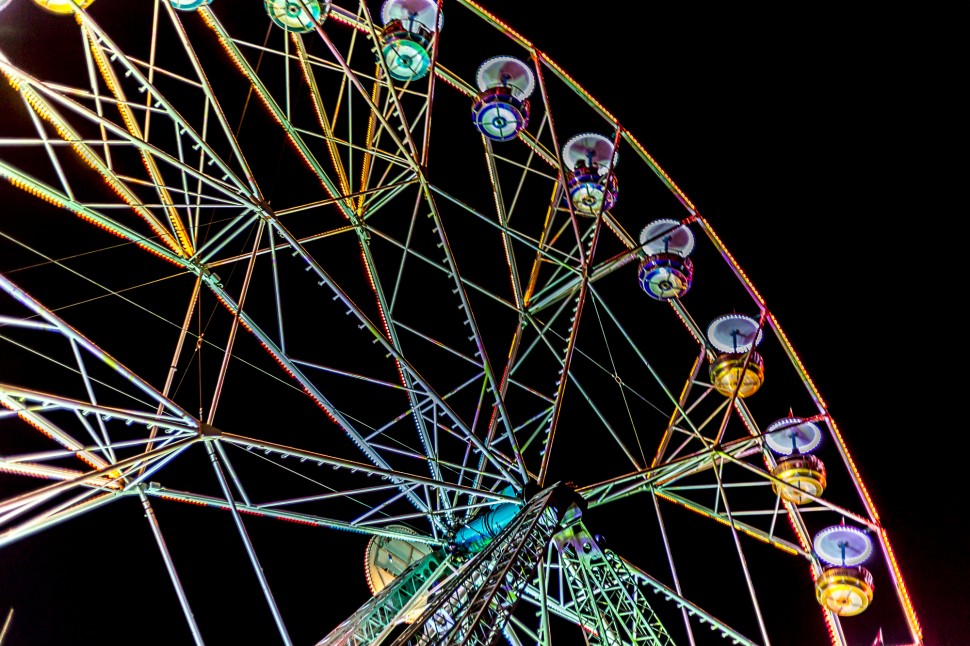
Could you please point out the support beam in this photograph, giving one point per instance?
(474, 606)
(607, 597)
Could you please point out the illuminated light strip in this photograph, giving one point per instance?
(242, 509)
(54, 473)
(499, 209)
(27, 188)
(43, 110)
(44, 193)
(621, 234)
(678, 412)
(449, 78)
(499, 23)
(318, 109)
(346, 19)
(901, 586)
(726, 523)
(53, 433)
(535, 147)
(503, 383)
(734, 263)
(544, 243)
(675, 306)
(368, 142)
(68, 135)
(660, 171)
(132, 125)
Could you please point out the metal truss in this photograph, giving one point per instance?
(395, 603)
(474, 606)
(608, 598)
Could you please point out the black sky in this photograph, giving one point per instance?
(817, 145)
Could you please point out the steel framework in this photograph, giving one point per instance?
(245, 267)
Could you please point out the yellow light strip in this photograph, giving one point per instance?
(128, 116)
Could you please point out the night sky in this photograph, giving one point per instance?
(811, 145)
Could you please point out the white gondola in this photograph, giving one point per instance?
(501, 108)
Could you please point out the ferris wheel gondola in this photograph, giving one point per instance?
(189, 5)
(63, 6)
(844, 586)
(501, 108)
(666, 272)
(802, 473)
(297, 16)
(409, 27)
(590, 180)
(738, 368)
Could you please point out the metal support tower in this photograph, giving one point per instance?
(473, 606)
(608, 597)
(378, 616)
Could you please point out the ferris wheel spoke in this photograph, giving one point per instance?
(405, 154)
(107, 52)
(82, 504)
(402, 478)
(725, 518)
(323, 116)
(312, 390)
(121, 185)
(117, 482)
(40, 105)
(247, 544)
(614, 489)
(407, 379)
(278, 112)
(491, 384)
(170, 567)
(365, 322)
(176, 224)
(111, 473)
(57, 346)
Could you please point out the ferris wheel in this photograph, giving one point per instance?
(347, 323)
